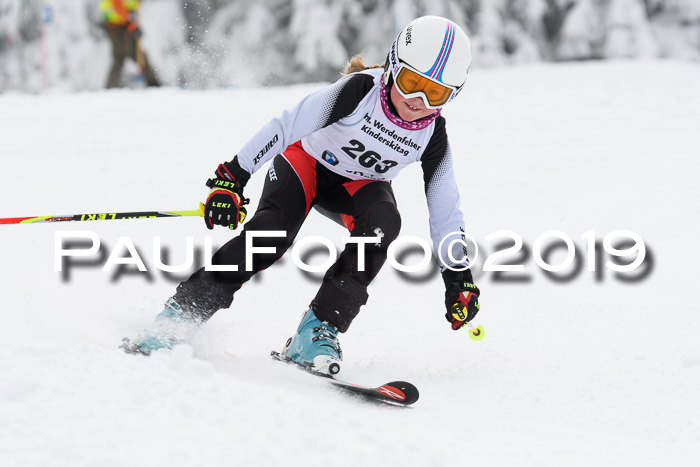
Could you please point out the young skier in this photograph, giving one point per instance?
(337, 150)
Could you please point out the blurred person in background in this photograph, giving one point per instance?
(121, 23)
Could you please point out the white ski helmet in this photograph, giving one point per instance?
(437, 50)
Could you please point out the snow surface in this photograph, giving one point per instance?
(589, 371)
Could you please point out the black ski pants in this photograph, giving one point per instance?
(295, 183)
(125, 45)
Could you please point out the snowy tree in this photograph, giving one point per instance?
(582, 34)
(59, 44)
(676, 27)
(628, 31)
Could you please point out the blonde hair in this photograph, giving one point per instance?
(357, 64)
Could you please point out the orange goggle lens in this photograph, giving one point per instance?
(408, 81)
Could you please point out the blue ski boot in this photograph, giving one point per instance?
(315, 345)
(172, 326)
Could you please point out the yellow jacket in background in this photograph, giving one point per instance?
(119, 12)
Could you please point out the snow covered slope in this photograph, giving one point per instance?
(589, 370)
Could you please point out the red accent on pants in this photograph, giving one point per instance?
(305, 167)
(351, 187)
(354, 185)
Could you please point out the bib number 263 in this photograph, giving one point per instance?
(368, 159)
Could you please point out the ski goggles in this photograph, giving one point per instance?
(410, 83)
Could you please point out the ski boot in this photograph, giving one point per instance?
(315, 346)
(172, 326)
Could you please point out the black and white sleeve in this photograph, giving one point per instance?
(312, 113)
(442, 194)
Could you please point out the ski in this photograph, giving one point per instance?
(400, 393)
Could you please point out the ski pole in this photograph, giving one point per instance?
(476, 332)
(103, 216)
(140, 60)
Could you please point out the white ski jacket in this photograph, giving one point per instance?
(345, 128)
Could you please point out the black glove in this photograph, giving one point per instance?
(224, 205)
(134, 29)
(461, 297)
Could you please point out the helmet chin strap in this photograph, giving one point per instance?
(395, 119)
